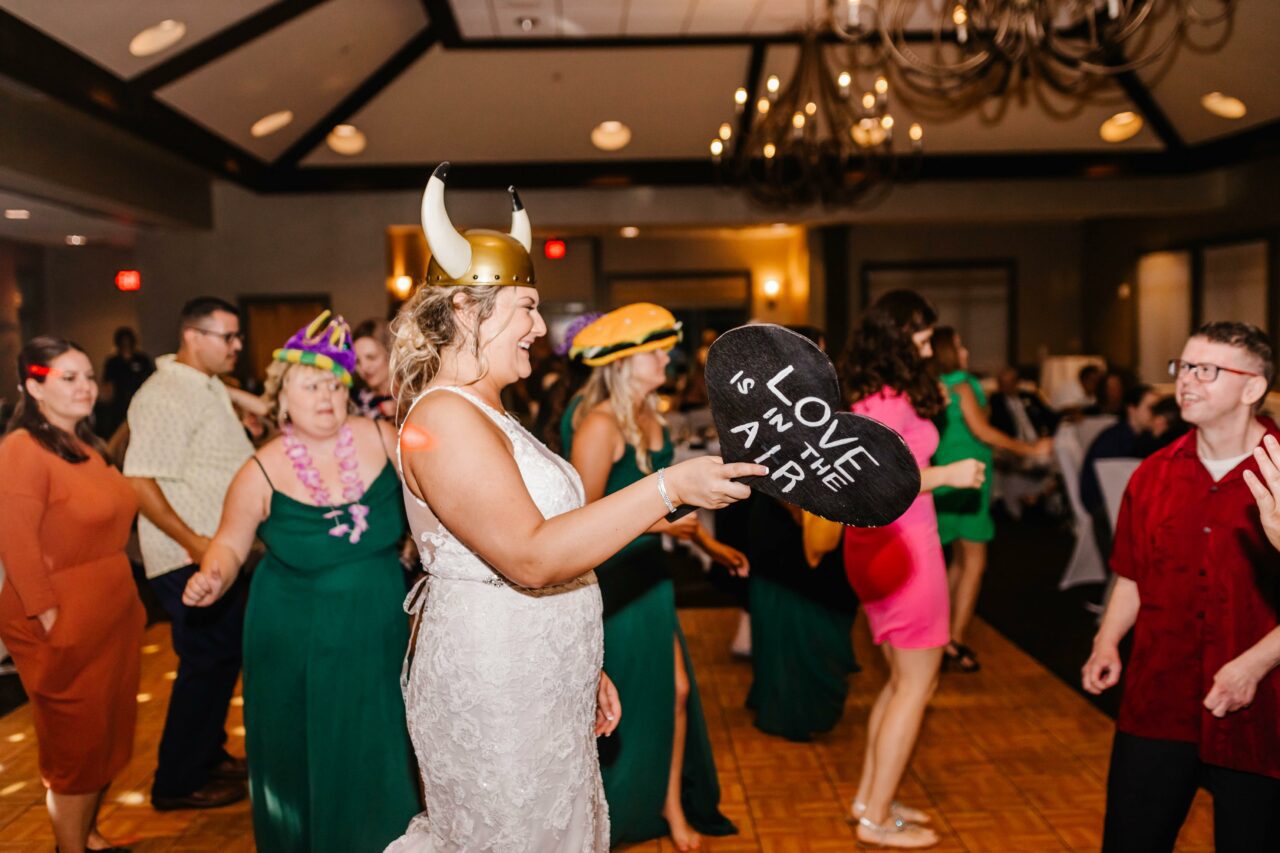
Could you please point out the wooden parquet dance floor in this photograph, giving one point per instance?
(1010, 760)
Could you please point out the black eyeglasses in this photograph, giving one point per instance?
(1203, 372)
(227, 337)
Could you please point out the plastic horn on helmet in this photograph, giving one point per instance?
(521, 230)
(450, 249)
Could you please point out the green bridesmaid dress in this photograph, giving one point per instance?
(324, 635)
(801, 628)
(639, 624)
(962, 513)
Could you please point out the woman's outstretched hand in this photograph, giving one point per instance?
(708, 481)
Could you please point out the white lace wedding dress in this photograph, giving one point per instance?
(501, 688)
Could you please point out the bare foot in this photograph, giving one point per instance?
(683, 836)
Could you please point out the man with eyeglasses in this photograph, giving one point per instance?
(185, 446)
(1199, 584)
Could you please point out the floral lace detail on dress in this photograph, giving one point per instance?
(500, 690)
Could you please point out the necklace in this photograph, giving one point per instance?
(349, 475)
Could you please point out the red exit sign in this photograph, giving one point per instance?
(128, 280)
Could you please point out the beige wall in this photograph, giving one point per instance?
(764, 252)
(1046, 257)
(81, 301)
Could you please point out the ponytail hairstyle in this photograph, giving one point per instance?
(33, 363)
(426, 326)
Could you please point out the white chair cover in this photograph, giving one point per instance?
(1113, 477)
(1089, 428)
(1086, 564)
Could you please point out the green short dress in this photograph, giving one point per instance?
(962, 513)
(330, 767)
(639, 625)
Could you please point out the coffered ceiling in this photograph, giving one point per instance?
(511, 89)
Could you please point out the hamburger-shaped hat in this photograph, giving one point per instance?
(630, 330)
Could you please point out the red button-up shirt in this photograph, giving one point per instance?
(1209, 582)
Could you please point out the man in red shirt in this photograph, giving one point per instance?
(1199, 584)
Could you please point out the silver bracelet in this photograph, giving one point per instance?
(662, 490)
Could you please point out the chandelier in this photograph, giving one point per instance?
(820, 138)
(952, 48)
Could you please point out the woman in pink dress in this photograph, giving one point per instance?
(898, 571)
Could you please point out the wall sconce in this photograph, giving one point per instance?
(402, 286)
(772, 289)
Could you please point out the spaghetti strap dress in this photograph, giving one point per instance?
(329, 756)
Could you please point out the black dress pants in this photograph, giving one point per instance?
(207, 641)
(1150, 787)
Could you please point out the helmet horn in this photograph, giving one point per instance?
(450, 249)
(520, 227)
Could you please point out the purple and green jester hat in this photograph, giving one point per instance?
(324, 343)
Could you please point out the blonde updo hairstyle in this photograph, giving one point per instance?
(277, 373)
(612, 382)
(431, 322)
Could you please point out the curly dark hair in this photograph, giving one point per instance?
(882, 355)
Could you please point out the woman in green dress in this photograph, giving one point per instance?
(328, 748)
(659, 773)
(964, 515)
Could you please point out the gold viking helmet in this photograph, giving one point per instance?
(478, 256)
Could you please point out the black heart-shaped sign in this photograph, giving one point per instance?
(776, 401)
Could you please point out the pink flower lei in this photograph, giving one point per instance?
(352, 488)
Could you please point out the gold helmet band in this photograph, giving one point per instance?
(478, 256)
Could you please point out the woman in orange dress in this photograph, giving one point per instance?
(69, 610)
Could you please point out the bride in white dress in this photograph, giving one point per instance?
(504, 691)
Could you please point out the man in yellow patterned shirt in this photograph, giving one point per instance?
(185, 446)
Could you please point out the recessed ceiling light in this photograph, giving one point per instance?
(76, 240)
(162, 36)
(527, 23)
(269, 124)
(17, 213)
(610, 136)
(1121, 126)
(629, 231)
(345, 139)
(1223, 105)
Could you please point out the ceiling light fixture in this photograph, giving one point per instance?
(76, 240)
(527, 23)
(817, 141)
(629, 231)
(17, 213)
(269, 124)
(346, 139)
(160, 37)
(610, 135)
(1121, 127)
(959, 51)
(1224, 106)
